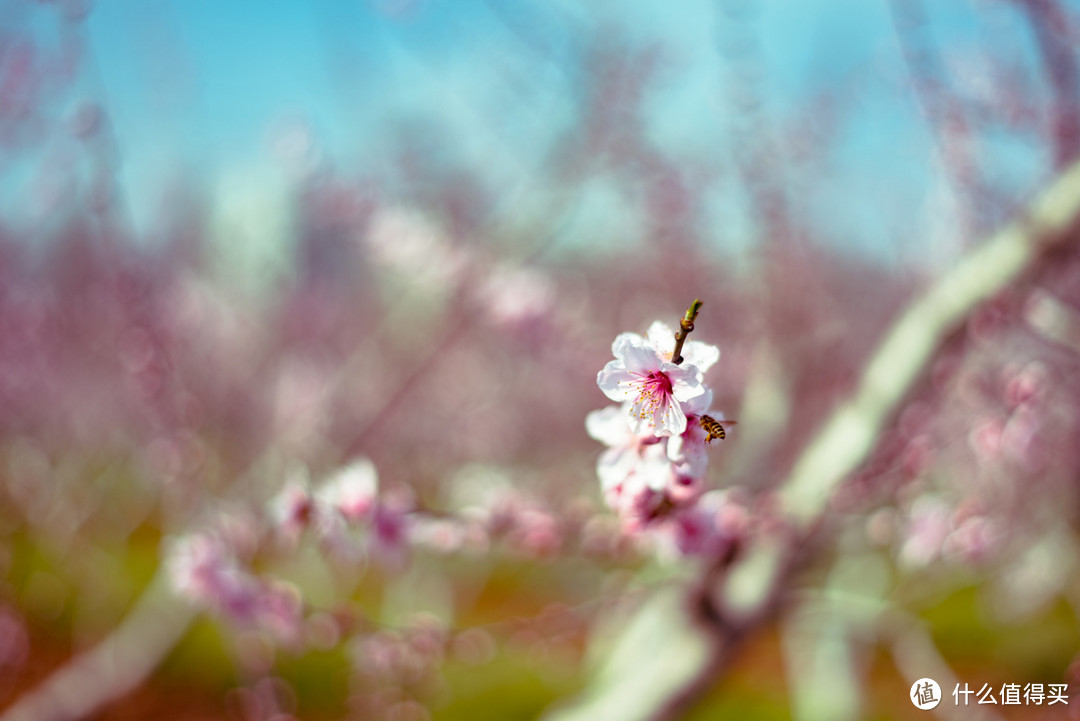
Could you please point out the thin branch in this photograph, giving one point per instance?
(686, 326)
(1050, 25)
(946, 116)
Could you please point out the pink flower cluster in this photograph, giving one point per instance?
(652, 473)
(207, 568)
(347, 515)
(214, 567)
(351, 521)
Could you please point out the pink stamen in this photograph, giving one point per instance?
(655, 392)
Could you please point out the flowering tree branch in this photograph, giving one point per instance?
(732, 600)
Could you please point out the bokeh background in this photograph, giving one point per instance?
(245, 243)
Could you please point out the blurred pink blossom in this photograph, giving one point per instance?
(641, 494)
(513, 297)
(204, 569)
(928, 526)
(389, 533)
(407, 242)
(293, 509)
(707, 528)
(351, 491)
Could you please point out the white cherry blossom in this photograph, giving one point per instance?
(654, 388)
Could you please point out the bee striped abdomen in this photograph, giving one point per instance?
(713, 428)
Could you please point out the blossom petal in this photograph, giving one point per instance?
(698, 405)
(702, 355)
(669, 419)
(641, 420)
(623, 339)
(685, 381)
(615, 466)
(609, 426)
(636, 355)
(616, 382)
(655, 470)
(687, 452)
(662, 338)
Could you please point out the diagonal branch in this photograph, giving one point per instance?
(904, 354)
(115, 666)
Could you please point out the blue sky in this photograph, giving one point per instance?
(199, 86)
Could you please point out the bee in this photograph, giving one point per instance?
(713, 429)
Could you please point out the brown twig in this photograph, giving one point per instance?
(686, 325)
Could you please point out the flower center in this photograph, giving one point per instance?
(655, 391)
(657, 384)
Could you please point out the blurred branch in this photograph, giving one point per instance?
(735, 601)
(759, 161)
(850, 436)
(764, 411)
(944, 113)
(393, 402)
(1050, 25)
(460, 323)
(917, 656)
(115, 666)
(655, 661)
(851, 618)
